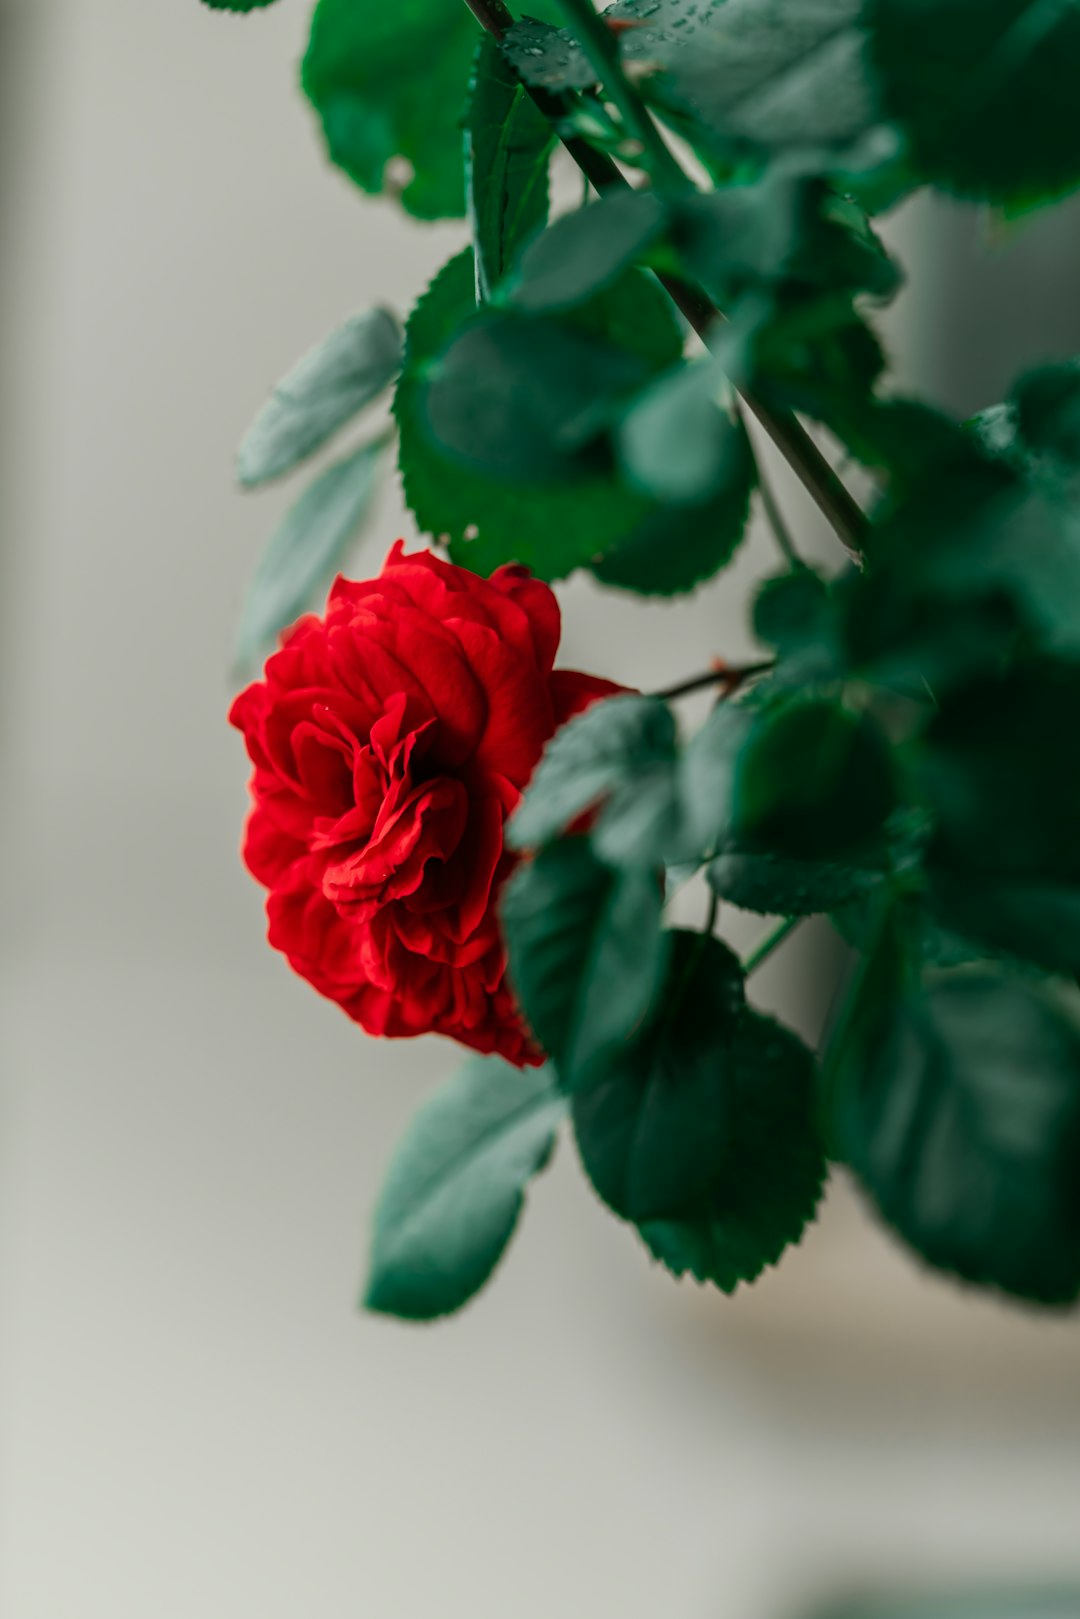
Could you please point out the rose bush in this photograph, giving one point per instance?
(391, 739)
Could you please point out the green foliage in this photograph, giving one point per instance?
(456, 1187)
(237, 5)
(749, 78)
(306, 550)
(901, 759)
(326, 389)
(777, 885)
(505, 423)
(984, 90)
(507, 148)
(586, 953)
(957, 1102)
(702, 1130)
(813, 781)
(1004, 860)
(602, 761)
(360, 73)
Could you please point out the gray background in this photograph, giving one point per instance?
(195, 1422)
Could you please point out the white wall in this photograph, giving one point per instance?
(194, 1420)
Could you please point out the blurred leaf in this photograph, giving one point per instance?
(525, 399)
(702, 1130)
(773, 885)
(586, 952)
(585, 251)
(237, 5)
(813, 781)
(794, 613)
(456, 1187)
(674, 548)
(1004, 788)
(958, 1105)
(608, 747)
(551, 528)
(507, 149)
(746, 77)
(306, 550)
(361, 74)
(320, 394)
(682, 441)
(985, 91)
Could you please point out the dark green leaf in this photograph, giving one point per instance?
(237, 5)
(551, 528)
(707, 770)
(783, 232)
(986, 90)
(456, 1187)
(547, 57)
(775, 886)
(306, 550)
(320, 394)
(973, 544)
(793, 613)
(674, 548)
(958, 1105)
(702, 1132)
(519, 398)
(586, 952)
(610, 746)
(682, 441)
(1004, 786)
(813, 782)
(745, 77)
(507, 147)
(584, 252)
(389, 81)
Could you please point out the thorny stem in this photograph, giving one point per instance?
(729, 676)
(784, 428)
(771, 942)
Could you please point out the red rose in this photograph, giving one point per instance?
(391, 740)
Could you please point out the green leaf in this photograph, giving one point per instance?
(237, 5)
(795, 613)
(1004, 787)
(702, 1131)
(584, 252)
(744, 78)
(586, 952)
(547, 57)
(456, 1188)
(675, 548)
(708, 770)
(986, 91)
(552, 529)
(306, 550)
(682, 441)
(608, 747)
(958, 1105)
(390, 82)
(774, 886)
(527, 398)
(814, 781)
(320, 394)
(507, 148)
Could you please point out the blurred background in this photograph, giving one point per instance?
(195, 1420)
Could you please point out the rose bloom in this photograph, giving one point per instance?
(391, 740)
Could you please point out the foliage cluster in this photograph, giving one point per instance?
(573, 394)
